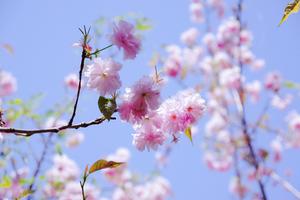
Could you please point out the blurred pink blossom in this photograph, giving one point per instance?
(123, 37)
(8, 84)
(72, 81)
(197, 12)
(273, 81)
(74, 139)
(189, 37)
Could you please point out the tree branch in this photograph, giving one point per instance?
(83, 57)
(241, 93)
(28, 132)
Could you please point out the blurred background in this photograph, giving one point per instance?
(42, 33)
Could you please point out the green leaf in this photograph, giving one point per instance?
(142, 24)
(107, 106)
(24, 194)
(5, 182)
(103, 164)
(290, 85)
(24, 181)
(188, 133)
(15, 102)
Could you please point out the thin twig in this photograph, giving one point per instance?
(99, 50)
(83, 57)
(39, 163)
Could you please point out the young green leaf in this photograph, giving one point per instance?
(103, 164)
(289, 9)
(107, 106)
(188, 133)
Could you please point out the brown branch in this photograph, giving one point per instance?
(83, 57)
(28, 132)
(39, 163)
(241, 92)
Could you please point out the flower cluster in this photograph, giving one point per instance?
(154, 122)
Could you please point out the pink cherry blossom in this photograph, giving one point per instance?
(191, 56)
(210, 41)
(276, 146)
(74, 139)
(148, 137)
(173, 65)
(63, 169)
(245, 37)
(292, 138)
(197, 12)
(216, 123)
(148, 134)
(237, 188)
(119, 175)
(217, 162)
(231, 78)
(294, 122)
(281, 102)
(246, 56)
(181, 111)
(123, 37)
(273, 81)
(72, 191)
(52, 122)
(218, 5)
(258, 64)
(72, 81)
(143, 97)
(8, 84)
(222, 60)
(189, 37)
(103, 75)
(253, 89)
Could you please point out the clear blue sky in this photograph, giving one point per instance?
(42, 33)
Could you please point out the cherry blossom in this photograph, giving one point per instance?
(273, 81)
(72, 191)
(103, 75)
(74, 139)
(123, 37)
(189, 37)
(72, 81)
(8, 84)
(143, 97)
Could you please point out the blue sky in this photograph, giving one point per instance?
(42, 34)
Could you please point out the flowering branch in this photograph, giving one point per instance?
(243, 117)
(85, 54)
